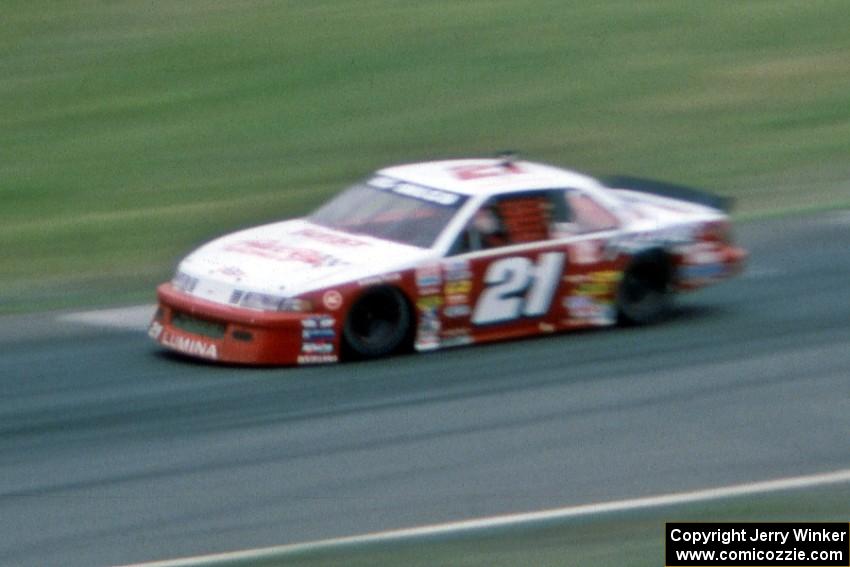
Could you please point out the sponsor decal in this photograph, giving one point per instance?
(184, 282)
(428, 277)
(480, 171)
(195, 347)
(458, 276)
(415, 191)
(455, 311)
(376, 280)
(428, 331)
(589, 309)
(456, 337)
(317, 358)
(595, 284)
(457, 299)
(426, 194)
(635, 242)
(594, 289)
(318, 335)
(332, 299)
(424, 282)
(329, 238)
(429, 321)
(312, 334)
(317, 322)
(457, 270)
(608, 276)
(578, 304)
(275, 250)
(458, 287)
(383, 182)
(317, 348)
(456, 265)
(600, 276)
(429, 303)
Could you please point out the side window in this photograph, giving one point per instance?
(484, 231)
(508, 220)
(581, 214)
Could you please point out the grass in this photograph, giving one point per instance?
(135, 130)
(633, 538)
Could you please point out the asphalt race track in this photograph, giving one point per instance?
(113, 452)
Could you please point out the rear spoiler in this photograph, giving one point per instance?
(670, 190)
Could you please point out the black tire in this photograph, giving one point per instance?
(377, 324)
(644, 294)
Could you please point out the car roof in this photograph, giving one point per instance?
(489, 176)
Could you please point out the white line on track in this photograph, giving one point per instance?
(134, 318)
(747, 489)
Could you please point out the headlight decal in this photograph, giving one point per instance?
(269, 302)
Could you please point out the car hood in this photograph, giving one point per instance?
(288, 259)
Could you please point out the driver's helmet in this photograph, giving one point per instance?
(486, 222)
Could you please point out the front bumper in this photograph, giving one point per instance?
(207, 330)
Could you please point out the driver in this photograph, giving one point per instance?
(488, 226)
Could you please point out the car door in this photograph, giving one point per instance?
(503, 275)
(589, 291)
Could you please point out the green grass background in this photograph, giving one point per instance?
(132, 131)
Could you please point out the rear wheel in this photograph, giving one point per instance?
(644, 294)
(378, 323)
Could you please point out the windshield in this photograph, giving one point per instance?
(392, 210)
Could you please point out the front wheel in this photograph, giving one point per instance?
(377, 324)
(644, 295)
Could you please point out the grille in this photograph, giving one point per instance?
(196, 326)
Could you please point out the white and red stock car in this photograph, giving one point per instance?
(445, 253)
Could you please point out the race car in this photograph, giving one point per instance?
(437, 254)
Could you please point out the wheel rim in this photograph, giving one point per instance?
(639, 289)
(642, 294)
(375, 323)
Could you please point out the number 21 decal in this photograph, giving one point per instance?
(517, 287)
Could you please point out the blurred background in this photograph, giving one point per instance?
(133, 131)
